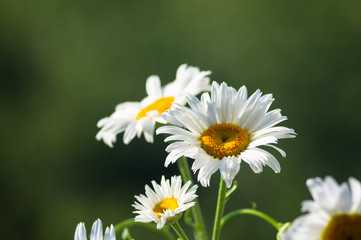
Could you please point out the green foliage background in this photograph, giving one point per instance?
(66, 64)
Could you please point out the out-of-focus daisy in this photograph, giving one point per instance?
(333, 214)
(135, 118)
(96, 232)
(221, 130)
(166, 203)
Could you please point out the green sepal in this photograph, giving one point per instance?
(174, 219)
(282, 229)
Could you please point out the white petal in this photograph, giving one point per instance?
(148, 129)
(151, 195)
(97, 230)
(206, 166)
(278, 132)
(283, 153)
(262, 141)
(320, 190)
(344, 203)
(270, 119)
(356, 194)
(80, 232)
(109, 233)
(130, 133)
(257, 157)
(153, 87)
(229, 168)
(189, 80)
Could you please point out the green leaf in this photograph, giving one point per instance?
(232, 189)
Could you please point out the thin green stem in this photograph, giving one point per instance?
(219, 211)
(200, 229)
(253, 212)
(130, 223)
(179, 230)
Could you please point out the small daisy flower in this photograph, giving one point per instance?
(135, 118)
(333, 214)
(165, 204)
(224, 128)
(96, 232)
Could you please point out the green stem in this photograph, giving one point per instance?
(253, 212)
(219, 211)
(179, 230)
(200, 228)
(130, 222)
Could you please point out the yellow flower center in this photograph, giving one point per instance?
(161, 105)
(223, 140)
(343, 227)
(167, 203)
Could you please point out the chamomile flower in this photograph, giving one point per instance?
(165, 204)
(333, 214)
(135, 118)
(223, 129)
(96, 232)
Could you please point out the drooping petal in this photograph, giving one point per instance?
(229, 169)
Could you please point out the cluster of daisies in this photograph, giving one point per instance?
(219, 130)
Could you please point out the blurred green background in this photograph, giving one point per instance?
(66, 64)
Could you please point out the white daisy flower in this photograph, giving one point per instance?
(165, 204)
(333, 214)
(96, 232)
(224, 128)
(135, 118)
